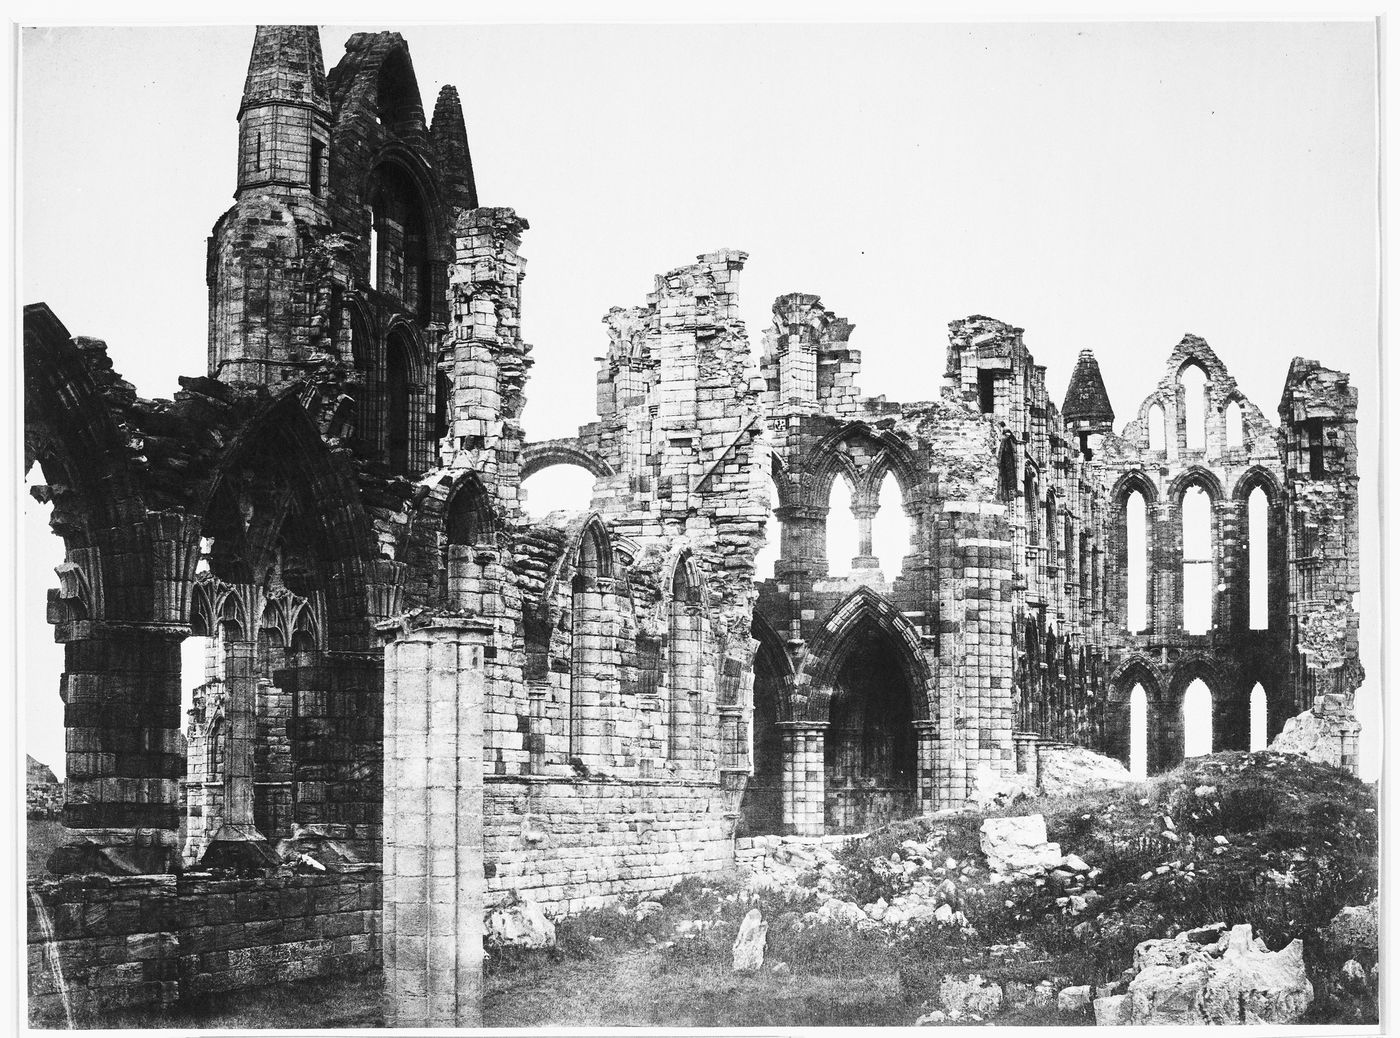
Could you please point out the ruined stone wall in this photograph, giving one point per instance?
(576, 844)
(621, 671)
(121, 942)
(1006, 534)
(1155, 457)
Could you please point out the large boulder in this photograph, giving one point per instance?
(1070, 770)
(521, 925)
(750, 944)
(1019, 845)
(1354, 931)
(1233, 980)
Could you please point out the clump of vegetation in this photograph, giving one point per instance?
(1267, 839)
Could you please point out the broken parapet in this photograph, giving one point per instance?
(807, 362)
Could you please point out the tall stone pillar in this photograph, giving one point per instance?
(926, 732)
(804, 777)
(125, 757)
(434, 803)
(238, 842)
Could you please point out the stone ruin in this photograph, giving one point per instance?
(433, 705)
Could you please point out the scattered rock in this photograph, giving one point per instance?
(1235, 980)
(749, 945)
(1354, 930)
(646, 909)
(1354, 973)
(521, 925)
(1019, 845)
(1073, 999)
(936, 1016)
(971, 994)
(1111, 1011)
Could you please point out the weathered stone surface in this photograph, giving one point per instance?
(1111, 1011)
(1355, 930)
(521, 925)
(1234, 980)
(1319, 735)
(1077, 769)
(750, 943)
(1074, 999)
(971, 994)
(1019, 844)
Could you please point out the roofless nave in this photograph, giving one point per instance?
(337, 507)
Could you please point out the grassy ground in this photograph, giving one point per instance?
(1264, 838)
(335, 1004)
(647, 988)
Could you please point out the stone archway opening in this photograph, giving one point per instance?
(871, 745)
(761, 809)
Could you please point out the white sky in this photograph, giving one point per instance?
(1102, 185)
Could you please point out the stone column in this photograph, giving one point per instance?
(238, 842)
(434, 803)
(125, 757)
(538, 693)
(926, 732)
(804, 777)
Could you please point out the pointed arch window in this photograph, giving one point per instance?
(1137, 577)
(1031, 494)
(765, 561)
(1196, 720)
(1194, 388)
(1234, 424)
(442, 407)
(890, 528)
(469, 518)
(842, 538)
(684, 657)
(1258, 719)
(585, 684)
(1197, 562)
(1156, 428)
(1258, 559)
(397, 410)
(1137, 731)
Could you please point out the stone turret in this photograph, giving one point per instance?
(261, 317)
(1087, 411)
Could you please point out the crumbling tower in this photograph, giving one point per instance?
(1317, 418)
(260, 314)
(332, 263)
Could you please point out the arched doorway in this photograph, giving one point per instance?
(871, 749)
(761, 809)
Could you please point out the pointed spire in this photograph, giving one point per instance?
(449, 137)
(286, 68)
(1086, 400)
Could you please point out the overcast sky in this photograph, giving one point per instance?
(1109, 186)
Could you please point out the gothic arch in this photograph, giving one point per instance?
(1257, 476)
(827, 652)
(469, 518)
(1196, 475)
(71, 433)
(283, 446)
